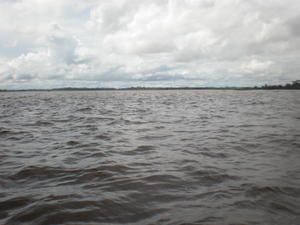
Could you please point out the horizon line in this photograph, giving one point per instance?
(265, 87)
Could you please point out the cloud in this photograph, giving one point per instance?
(255, 66)
(178, 42)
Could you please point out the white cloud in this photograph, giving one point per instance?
(179, 42)
(255, 66)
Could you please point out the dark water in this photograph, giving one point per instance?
(150, 157)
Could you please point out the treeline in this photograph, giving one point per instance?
(293, 85)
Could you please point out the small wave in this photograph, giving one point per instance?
(103, 137)
(85, 109)
(72, 143)
(155, 137)
(16, 202)
(208, 177)
(143, 149)
(273, 190)
(288, 208)
(4, 131)
(215, 154)
(39, 172)
(43, 123)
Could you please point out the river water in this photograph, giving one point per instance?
(150, 157)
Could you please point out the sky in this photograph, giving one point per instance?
(124, 43)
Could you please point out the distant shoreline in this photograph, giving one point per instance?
(293, 86)
(142, 89)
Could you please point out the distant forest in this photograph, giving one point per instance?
(293, 85)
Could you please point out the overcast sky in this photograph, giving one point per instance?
(121, 43)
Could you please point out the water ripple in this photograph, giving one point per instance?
(150, 157)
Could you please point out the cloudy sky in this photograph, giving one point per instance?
(121, 43)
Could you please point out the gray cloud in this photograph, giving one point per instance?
(176, 42)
